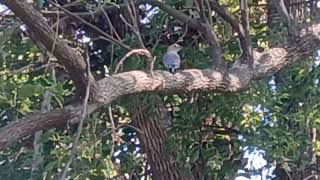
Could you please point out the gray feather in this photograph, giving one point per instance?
(171, 60)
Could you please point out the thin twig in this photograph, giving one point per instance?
(82, 117)
(286, 171)
(155, 45)
(135, 29)
(244, 41)
(134, 25)
(33, 67)
(183, 35)
(211, 36)
(227, 16)
(112, 29)
(282, 10)
(37, 145)
(107, 36)
(134, 51)
(54, 42)
(133, 16)
(309, 177)
(113, 131)
(314, 150)
(126, 22)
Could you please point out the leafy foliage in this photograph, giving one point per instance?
(209, 130)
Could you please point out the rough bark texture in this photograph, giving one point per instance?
(26, 126)
(154, 125)
(20, 129)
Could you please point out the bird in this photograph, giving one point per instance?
(171, 58)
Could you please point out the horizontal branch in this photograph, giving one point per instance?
(235, 79)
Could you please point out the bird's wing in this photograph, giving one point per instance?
(171, 60)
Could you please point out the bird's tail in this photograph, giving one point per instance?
(172, 70)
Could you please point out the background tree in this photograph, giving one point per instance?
(83, 94)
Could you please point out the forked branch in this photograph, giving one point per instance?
(285, 17)
(210, 35)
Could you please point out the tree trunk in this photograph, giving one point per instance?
(154, 124)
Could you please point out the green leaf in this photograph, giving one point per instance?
(195, 155)
(27, 90)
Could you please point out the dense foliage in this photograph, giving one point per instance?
(210, 133)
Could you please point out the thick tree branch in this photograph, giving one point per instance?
(237, 78)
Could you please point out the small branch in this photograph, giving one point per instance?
(211, 36)
(244, 38)
(107, 36)
(88, 15)
(183, 35)
(209, 12)
(309, 177)
(176, 14)
(37, 145)
(247, 54)
(135, 29)
(313, 153)
(112, 29)
(134, 51)
(54, 43)
(113, 130)
(221, 130)
(33, 67)
(122, 125)
(82, 117)
(285, 16)
(233, 21)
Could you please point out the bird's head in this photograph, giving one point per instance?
(174, 48)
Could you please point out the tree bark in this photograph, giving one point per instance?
(154, 125)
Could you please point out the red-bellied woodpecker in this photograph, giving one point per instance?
(171, 58)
